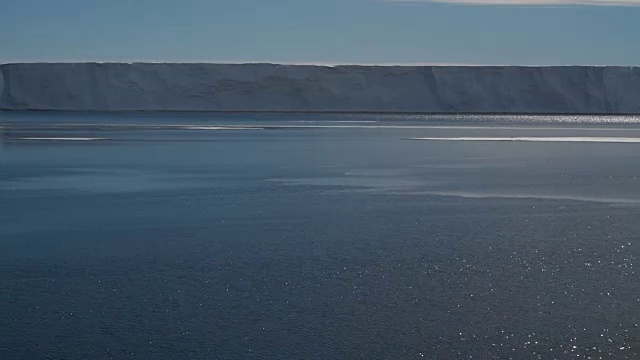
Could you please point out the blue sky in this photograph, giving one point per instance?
(519, 32)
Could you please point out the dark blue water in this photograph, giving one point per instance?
(317, 236)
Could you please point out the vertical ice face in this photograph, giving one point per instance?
(260, 87)
(1, 87)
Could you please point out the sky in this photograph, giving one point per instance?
(470, 32)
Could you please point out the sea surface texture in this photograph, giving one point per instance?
(293, 236)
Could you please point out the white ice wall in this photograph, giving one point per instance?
(256, 87)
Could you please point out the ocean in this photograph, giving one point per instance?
(318, 236)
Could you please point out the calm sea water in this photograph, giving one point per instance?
(288, 236)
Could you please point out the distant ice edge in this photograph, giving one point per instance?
(272, 87)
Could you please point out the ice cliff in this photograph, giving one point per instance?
(269, 87)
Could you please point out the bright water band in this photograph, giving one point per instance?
(537, 139)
